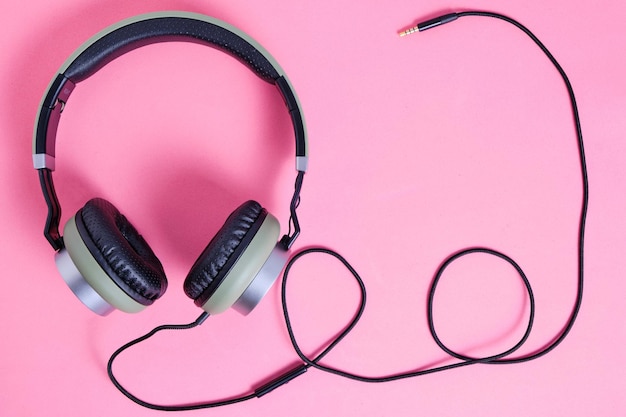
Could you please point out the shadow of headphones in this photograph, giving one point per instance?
(101, 255)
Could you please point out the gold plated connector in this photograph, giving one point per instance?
(409, 31)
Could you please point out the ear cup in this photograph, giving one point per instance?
(232, 258)
(120, 251)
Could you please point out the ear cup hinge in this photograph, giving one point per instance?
(48, 119)
(51, 229)
(287, 240)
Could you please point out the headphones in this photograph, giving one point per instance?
(108, 265)
(101, 256)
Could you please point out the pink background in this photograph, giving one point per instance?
(420, 146)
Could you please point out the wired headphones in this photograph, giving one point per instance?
(108, 264)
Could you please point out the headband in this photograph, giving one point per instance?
(134, 33)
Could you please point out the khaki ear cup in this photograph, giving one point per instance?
(113, 258)
(233, 258)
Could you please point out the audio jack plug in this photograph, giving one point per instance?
(437, 21)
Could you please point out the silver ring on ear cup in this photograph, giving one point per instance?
(79, 285)
(246, 268)
(92, 273)
(263, 280)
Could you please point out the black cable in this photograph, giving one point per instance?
(431, 299)
(466, 360)
(501, 358)
(585, 184)
(184, 407)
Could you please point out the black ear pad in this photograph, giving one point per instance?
(223, 251)
(121, 251)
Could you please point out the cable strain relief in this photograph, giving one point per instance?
(441, 20)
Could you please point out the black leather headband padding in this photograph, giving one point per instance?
(165, 29)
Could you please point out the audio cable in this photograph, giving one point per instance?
(463, 360)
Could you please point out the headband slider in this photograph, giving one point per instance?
(297, 120)
(48, 122)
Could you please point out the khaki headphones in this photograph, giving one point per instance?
(101, 256)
